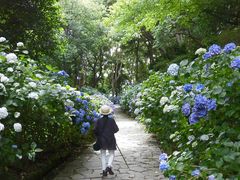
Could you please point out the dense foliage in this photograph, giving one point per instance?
(194, 110)
(38, 110)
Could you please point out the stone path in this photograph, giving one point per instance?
(139, 149)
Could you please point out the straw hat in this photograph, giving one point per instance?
(105, 110)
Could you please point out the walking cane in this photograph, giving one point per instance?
(123, 156)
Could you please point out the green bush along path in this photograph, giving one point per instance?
(139, 148)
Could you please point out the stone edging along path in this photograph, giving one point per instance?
(140, 150)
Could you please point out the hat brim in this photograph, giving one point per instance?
(106, 113)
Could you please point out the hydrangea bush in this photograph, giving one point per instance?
(38, 111)
(194, 110)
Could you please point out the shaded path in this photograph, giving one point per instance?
(139, 149)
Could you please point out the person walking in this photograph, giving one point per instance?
(104, 130)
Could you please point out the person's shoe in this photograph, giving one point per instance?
(104, 173)
(109, 170)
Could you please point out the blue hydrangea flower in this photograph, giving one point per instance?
(193, 118)
(63, 73)
(163, 166)
(163, 156)
(82, 112)
(207, 55)
(69, 108)
(196, 172)
(229, 47)
(211, 177)
(79, 100)
(78, 120)
(77, 113)
(187, 87)
(83, 130)
(172, 177)
(200, 112)
(235, 64)
(85, 102)
(86, 125)
(89, 118)
(200, 101)
(199, 87)
(215, 49)
(229, 84)
(186, 109)
(212, 104)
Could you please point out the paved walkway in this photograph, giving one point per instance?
(139, 149)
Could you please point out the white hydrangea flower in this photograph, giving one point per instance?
(33, 95)
(170, 108)
(20, 44)
(148, 120)
(39, 76)
(173, 69)
(25, 51)
(17, 114)
(10, 69)
(164, 100)
(16, 84)
(138, 103)
(200, 51)
(136, 111)
(2, 39)
(3, 78)
(3, 113)
(191, 138)
(204, 137)
(1, 127)
(17, 127)
(42, 92)
(68, 102)
(11, 58)
(32, 84)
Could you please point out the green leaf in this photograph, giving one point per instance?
(217, 89)
(184, 62)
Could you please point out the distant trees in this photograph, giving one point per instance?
(35, 22)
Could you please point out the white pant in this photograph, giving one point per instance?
(104, 158)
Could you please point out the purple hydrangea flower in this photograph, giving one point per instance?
(186, 109)
(229, 47)
(215, 49)
(196, 172)
(212, 104)
(207, 55)
(172, 177)
(187, 87)
(193, 118)
(235, 64)
(163, 166)
(163, 156)
(199, 87)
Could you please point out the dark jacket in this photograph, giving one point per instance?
(106, 136)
